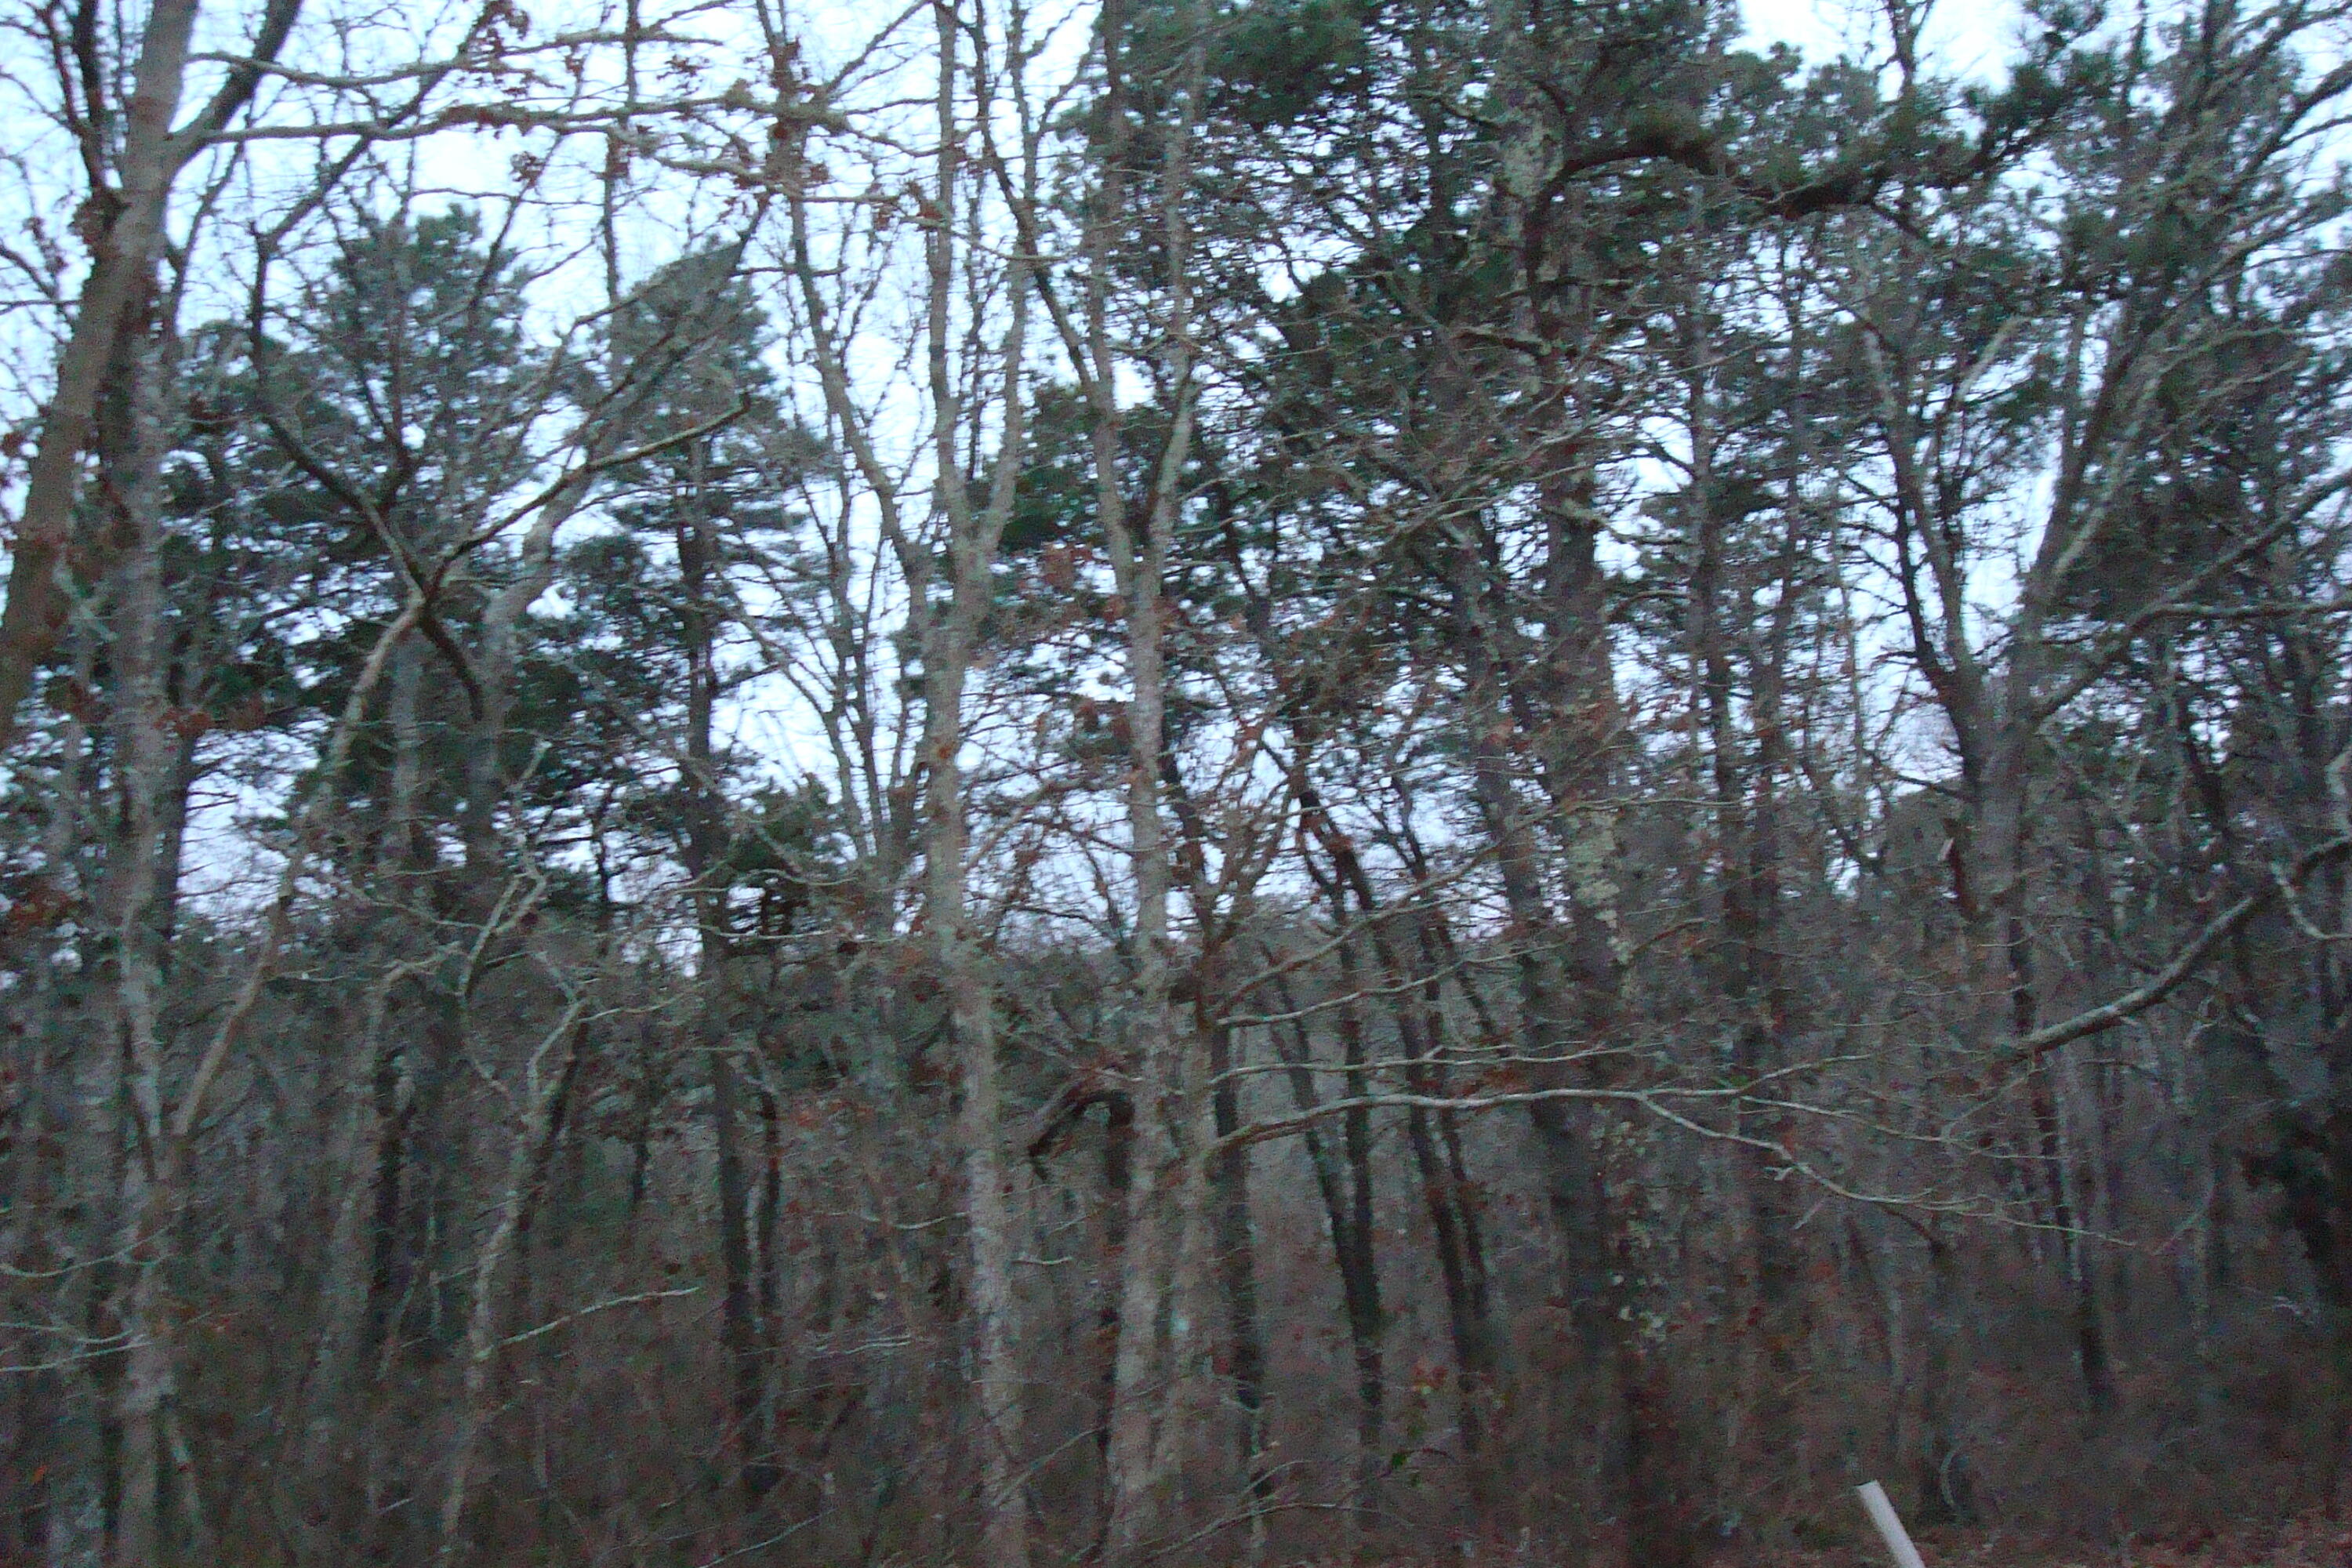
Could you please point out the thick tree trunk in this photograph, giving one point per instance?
(108, 325)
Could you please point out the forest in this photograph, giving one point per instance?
(1162, 782)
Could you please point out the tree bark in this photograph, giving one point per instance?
(130, 449)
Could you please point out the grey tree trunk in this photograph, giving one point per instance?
(130, 446)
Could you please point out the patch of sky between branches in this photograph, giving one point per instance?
(1969, 39)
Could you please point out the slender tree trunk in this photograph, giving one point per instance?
(645, 1107)
(1461, 1270)
(2006, 841)
(386, 1234)
(497, 668)
(343, 1293)
(408, 852)
(949, 641)
(1941, 1464)
(1450, 1192)
(1236, 1250)
(543, 1087)
(705, 851)
(1118, 1172)
(1352, 1255)
(1354, 1242)
(738, 1323)
(1157, 1383)
(947, 633)
(766, 1218)
(1444, 1184)
(1228, 1176)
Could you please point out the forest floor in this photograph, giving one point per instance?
(2301, 1543)
(2311, 1543)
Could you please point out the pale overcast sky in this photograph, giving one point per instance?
(1969, 35)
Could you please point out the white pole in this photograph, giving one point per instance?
(1890, 1526)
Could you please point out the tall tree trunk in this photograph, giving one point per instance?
(949, 643)
(1595, 1164)
(1158, 1386)
(106, 345)
(706, 838)
(131, 447)
(766, 1218)
(2004, 840)
(1118, 1174)
(1746, 836)
(1452, 1198)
